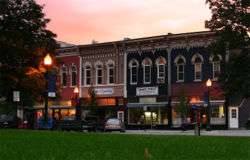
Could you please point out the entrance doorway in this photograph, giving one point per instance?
(233, 117)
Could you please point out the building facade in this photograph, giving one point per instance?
(141, 80)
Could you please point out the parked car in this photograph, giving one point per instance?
(114, 124)
(8, 121)
(92, 123)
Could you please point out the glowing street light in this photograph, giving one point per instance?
(47, 60)
(208, 84)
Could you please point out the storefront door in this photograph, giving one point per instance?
(233, 117)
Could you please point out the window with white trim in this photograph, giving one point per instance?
(111, 75)
(87, 74)
(161, 65)
(73, 75)
(216, 67)
(133, 67)
(197, 61)
(98, 74)
(146, 64)
(64, 76)
(180, 68)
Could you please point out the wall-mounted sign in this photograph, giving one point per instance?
(104, 91)
(146, 91)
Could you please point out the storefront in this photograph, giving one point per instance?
(217, 114)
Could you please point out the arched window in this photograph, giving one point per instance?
(87, 74)
(146, 64)
(161, 65)
(180, 62)
(197, 61)
(110, 72)
(64, 76)
(133, 67)
(99, 73)
(215, 60)
(73, 71)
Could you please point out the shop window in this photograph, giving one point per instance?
(161, 63)
(152, 116)
(180, 68)
(217, 114)
(146, 64)
(64, 76)
(73, 75)
(133, 67)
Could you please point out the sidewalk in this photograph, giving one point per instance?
(244, 133)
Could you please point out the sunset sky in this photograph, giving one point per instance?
(81, 21)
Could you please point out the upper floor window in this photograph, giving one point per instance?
(161, 63)
(133, 67)
(73, 72)
(146, 64)
(99, 76)
(87, 80)
(197, 61)
(215, 60)
(64, 76)
(180, 62)
(110, 73)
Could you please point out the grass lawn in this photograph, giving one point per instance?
(53, 145)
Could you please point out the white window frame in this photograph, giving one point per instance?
(144, 70)
(87, 68)
(158, 64)
(73, 69)
(62, 73)
(183, 73)
(196, 64)
(199, 65)
(99, 67)
(108, 73)
(176, 61)
(131, 66)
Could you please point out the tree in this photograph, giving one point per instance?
(182, 107)
(92, 101)
(231, 22)
(24, 40)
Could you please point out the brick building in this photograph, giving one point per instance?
(140, 80)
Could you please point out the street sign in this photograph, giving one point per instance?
(16, 96)
(51, 94)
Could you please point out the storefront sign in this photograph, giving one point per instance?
(146, 91)
(104, 91)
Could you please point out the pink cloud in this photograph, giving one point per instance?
(80, 21)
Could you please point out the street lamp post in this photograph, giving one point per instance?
(47, 63)
(76, 91)
(208, 84)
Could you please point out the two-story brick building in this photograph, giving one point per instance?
(140, 80)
